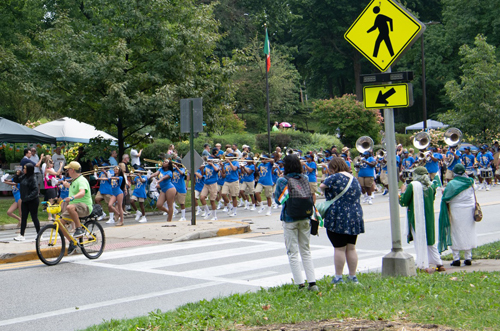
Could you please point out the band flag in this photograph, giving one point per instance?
(267, 51)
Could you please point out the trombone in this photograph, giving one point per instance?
(95, 169)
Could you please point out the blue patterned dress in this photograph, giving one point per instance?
(344, 216)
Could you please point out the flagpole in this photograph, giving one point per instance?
(267, 103)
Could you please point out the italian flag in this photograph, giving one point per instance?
(267, 51)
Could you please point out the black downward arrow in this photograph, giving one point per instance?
(382, 98)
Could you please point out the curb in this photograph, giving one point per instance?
(32, 255)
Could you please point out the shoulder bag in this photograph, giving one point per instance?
(478, 213)
(323, 206)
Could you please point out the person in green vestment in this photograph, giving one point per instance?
(457, 227)
(419, 197)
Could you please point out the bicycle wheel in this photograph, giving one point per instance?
(93, 248)
(50, 245)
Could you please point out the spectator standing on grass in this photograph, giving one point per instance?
(29, 197)
(296, 231)
(344, 218)
(457, 227)
(58, 157)
(419, 197)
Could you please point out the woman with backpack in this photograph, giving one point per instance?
(344, 218)
(292, 190)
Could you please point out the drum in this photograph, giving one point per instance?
(486, 173)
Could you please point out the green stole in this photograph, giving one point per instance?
(454, 188)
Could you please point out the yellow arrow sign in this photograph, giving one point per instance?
(383, 31)
(388, 96)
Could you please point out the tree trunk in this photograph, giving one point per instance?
(357, 71)
(121, 143)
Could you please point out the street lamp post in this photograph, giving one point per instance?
(424, 93)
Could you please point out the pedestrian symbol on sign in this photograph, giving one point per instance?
(383, 31)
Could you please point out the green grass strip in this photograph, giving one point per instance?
(461, 300)
(488, 251)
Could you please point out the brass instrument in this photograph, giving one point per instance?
(421, 141)
(364, 144)
(133, 171)
(452, 137)
(153, 161)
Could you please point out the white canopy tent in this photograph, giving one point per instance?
(71, 130)
(431, 124)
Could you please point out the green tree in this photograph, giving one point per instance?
(476, 97)
(284, 83)
(124, 66)
(348, 117)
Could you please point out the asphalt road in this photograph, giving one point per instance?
(133, 282)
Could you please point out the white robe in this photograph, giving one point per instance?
(463, 226)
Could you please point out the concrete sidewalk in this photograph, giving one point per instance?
(132, 234)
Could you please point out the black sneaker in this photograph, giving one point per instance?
(468, 262)
(455, 263)
(71, 248)
(78, 233)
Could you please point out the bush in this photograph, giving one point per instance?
(289, 139)
(153, 150)
(403, 139)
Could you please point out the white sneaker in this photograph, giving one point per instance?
(111, 221)
(182, 219)
(275, 207)
(232, 214)
(213, 218)
(143, 219)
(207, 215)
(219, 206)
(204, 214)
(19, 238)
(246, 207)
(225, 209)
(100, 218)
(370, 202)
(487, 187)
(268, 213)
(261, 209)
(252, 208)
(165, 213)
(138, 215)
(240, 204)
(198, 212)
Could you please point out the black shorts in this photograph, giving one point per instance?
(50, 193)
(341, 240)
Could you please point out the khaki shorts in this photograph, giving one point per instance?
(232, 188)
(101, 197)
(134, 198)
(81, 209)
(366, 181)
(449, 174)
(197, 194)
(180, 198)
(268, 190)
(219, 188)
(497, 172)
(313, 186)
(210, 191)
(384, 179)
(247, 187)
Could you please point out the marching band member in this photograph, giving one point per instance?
(265, 170)
(311, 169)
(324, 166)
(117, 187)
(384, 177)
(275, 175)
(105, 192)
(406, 164)
(210, 180)
(139, 194)
(484, 158)
(199, 183)
(179, 182)
(366, 176)
(454, 155)
(231, 185)
(167, 189)
(221, 179)
(468, 161)
(247, 183)
(432, 165)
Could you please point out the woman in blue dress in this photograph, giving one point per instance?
(117, 186)
(344, 218)
(167, 189)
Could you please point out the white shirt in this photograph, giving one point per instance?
(35, 159)
(58, 158)
(134, 157)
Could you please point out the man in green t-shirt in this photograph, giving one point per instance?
(79, 199)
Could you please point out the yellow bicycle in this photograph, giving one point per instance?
(51, 243)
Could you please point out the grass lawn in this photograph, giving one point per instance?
(462, 300)
(488, 251)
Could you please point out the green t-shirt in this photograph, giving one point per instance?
(78, 184)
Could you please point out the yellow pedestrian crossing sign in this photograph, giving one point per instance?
(383, 31)
(388, 96)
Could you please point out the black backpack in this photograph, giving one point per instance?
(300, 204)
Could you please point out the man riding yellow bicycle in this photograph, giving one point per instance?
(79, 201)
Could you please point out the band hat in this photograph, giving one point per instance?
(73, 165)
(420, 171)
(459, 169)
(310, 156)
